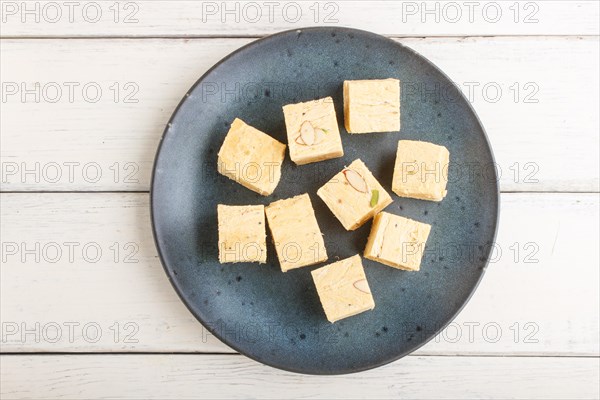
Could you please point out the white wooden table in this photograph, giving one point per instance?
(87, 88)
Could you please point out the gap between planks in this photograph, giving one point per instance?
(179, 37)
(215, 353)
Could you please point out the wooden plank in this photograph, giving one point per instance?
(233, 376)
(111, 143)
(250, 18)
(543, 127)
(539, 295)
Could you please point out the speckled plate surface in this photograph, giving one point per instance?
(276, 318)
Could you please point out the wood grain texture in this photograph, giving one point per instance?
(543, 126)
(251, 18)
(233, 376)
(79, 272)
(538, 297)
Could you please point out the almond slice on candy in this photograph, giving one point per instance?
(356, 180)
(307, 133)
(362, 285)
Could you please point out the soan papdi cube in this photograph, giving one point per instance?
(251, 158)
(421, 170)
(372, 105)
(397, 241)
(242, 234)
(296, 234)
(312, 131)
(343, 288)
(354, 195)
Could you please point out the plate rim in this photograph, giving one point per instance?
(183, 297)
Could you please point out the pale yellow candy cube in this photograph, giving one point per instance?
(251, 158)
(296, 234)
(312, 131)
(354, 196)
(242, 234)
(397, 241)
(372, 105)
(343, 289)
(421, 170)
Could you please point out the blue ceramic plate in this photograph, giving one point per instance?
(276, 318)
